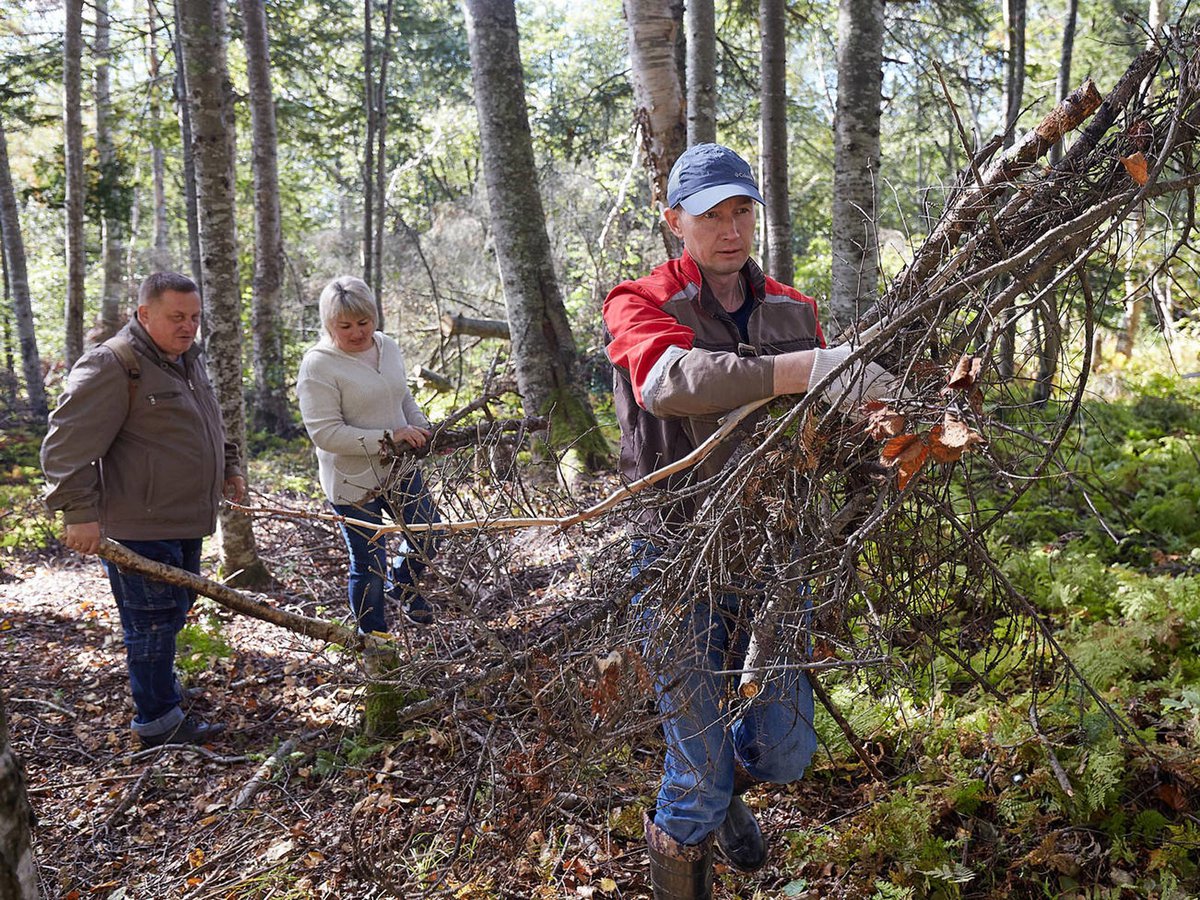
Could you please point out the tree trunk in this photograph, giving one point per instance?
(114, 296)
(368, 169)
(658, 98)
(1136, 272)
(73, 159)
(18, 281)
(543, 347)
(701, 72)
(161, 258)
(772, 20)
(191, 203)
(270, 404)
(208, 99)
(18, 869)
(1014, 65)
(1064, 65)
(381, 159)
(855, 242)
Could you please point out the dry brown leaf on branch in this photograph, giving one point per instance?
(953, 437)
(882, 421)
(965, 373)
(1137, 167)
(907, 453)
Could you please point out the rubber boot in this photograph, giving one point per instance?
(739, 837)
(679, 871)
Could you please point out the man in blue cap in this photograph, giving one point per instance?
(699, 336)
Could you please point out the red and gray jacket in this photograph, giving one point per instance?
(680, 364)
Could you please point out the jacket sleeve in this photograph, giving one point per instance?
(671, 377)
(81, 429)
(321, 408)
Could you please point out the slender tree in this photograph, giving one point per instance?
(368, 168)
(657, 95)
(777, 249)
(161, 256)
(1064, 85)
(18, 283)
(543, 346)
(385, 53)
(1014, 65)
(270, 406)
(18, 869)
(202, 35)
(114, 295)
(700, 20)
(73, 157)
(856, 153)
(191, 206)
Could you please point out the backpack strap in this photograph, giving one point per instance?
(123, 350)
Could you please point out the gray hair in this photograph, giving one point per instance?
(346, 296)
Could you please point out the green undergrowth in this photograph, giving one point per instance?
(22, 520)
(1065, 783)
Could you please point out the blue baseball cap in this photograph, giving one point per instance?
(706, 174)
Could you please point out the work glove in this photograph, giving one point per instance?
(858, 383)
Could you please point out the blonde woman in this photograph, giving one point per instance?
(354, 395)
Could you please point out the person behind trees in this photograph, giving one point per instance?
(355, 402)
(136, 452)
(699, 336)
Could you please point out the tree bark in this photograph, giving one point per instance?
(1014, 65)
(191, 204)
(18, 281)
(270, 404)
(543, 347)
(368, 169)
(1064, 65)
(18, 869)
(73, 159)
(114, 295)
(161, 258)
(381, 160)
(212, 148)
(700, 19)
(658, 97)
(772, 19)
(855, 242)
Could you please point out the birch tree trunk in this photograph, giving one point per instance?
(18, 282)
(700, 19)
(73, 159)
(114, 295)
(18, 869)
(543, 346)
(381, 159)
(657, 95)
(368, 169)
(161, 257)
(191, 204)
(855, 242)
(777, 249)
(208, 99)
(270, 406)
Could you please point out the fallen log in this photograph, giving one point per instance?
(232, 599)
(453, 324)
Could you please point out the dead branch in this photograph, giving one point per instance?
(458, 324)
(268, 768)
(228, 597)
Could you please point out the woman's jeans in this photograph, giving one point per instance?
(773, 739)
(152, 614)
(370, 571)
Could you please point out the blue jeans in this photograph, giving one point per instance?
(152, 614)
(369, 566)
(773, 739)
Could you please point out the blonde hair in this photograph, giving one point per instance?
(346, 296)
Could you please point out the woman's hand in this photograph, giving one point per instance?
(412, 435)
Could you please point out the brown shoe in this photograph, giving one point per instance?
(190, 731)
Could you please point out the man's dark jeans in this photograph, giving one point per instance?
(152, 614)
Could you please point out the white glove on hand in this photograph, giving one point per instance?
(858, 383)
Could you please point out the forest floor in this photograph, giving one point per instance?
(341, 813)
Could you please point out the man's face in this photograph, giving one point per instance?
(172, 321)
(720, 239)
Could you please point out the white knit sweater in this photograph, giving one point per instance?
(347, 405)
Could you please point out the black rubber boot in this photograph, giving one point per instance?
(740, 839)
(678, 871)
